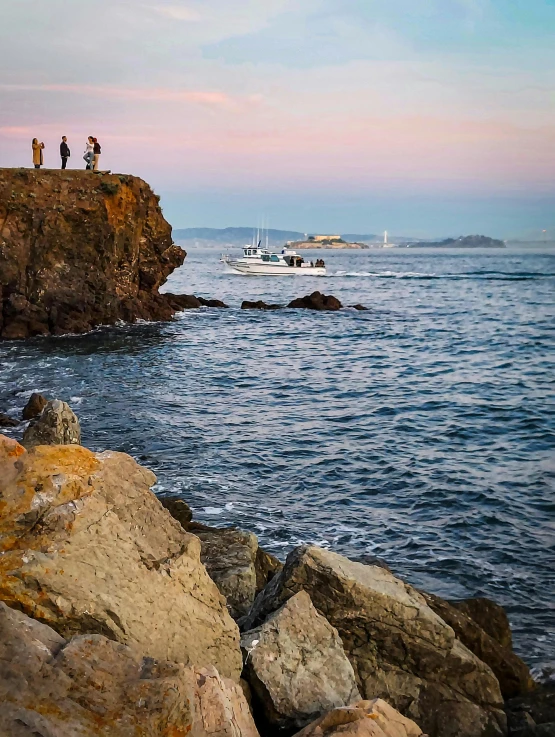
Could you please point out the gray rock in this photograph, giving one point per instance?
(57, 425)
(400, 649)
(296, 666)
(236, 564)
(34, 406)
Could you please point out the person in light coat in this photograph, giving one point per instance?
(89, 152)
(37, 153)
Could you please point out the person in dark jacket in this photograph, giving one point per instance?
(96, 154)
(65, 153)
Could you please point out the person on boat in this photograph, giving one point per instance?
(37, 153)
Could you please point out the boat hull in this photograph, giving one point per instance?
(266, 269)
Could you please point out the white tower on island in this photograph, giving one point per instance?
(385, 243)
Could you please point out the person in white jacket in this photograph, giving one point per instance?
(89, 152)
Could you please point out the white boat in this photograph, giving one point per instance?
(258, 261)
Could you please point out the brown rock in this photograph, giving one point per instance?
(211, 302)
(511, 672)
(56, 425)
(87, 547)
(296, 666)
(95, 687)
(34, 406)
(182, 301)
(316, 301)
(491, 617)
(259, 305)
(7, 421)
(80, 251)
(236, 564)
(539, 708)
(366, 719)
(360, 307)
(399, 648)
(178, 508)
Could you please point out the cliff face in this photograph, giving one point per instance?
(79, 250)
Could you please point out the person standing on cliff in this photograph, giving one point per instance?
(89, 152)
(65, 153)
(37, 153)
(96, 151)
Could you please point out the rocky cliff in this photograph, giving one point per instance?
(79, 250)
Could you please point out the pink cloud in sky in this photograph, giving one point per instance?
(201, 97)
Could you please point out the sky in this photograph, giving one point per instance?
(422, 117)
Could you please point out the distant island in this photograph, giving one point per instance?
(467, 241)
(324, 241)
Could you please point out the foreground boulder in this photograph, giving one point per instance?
(80, 251)
(400, 649)
(92, 686)
(86, 547)
(316, 301)
(512, 673)
(296, 666)
(56, 425)
(34, 406)
(258, 305)
(366, 719)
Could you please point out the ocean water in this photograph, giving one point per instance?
(421, 431)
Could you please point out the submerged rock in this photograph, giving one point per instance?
(512, 673)
(212, 302)
(34, 406)
(400, 649)
(316, 301)
(366, 719)
(80, 251)
(86, 547)
(296, 666)
(359, 307)
(7, 421)
(259, 305)
(56, 425)
(92, 686)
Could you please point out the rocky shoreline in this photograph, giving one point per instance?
(122, 615)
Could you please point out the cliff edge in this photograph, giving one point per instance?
(79, 250)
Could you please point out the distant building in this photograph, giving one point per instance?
(324, 238)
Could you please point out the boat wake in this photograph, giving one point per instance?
(474, 275)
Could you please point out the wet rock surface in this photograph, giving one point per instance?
(86, 547)
(365, 719)
(400, 649)
(78, 251)
(316, 301)
(94, 686)
(258, 305)
(532, 715)
(56, 425)
(296, 667)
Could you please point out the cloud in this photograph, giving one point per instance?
(209, 98)
(176, 12)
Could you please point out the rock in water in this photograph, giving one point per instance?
(57, 425)
(178, 508)
(7, 421)
(94, 687)
(236, 564)
(365, 719)
(296, 666)
(512, 673)
(34, 406)
(259, 305)
(399, 648)
(316, 301)
(86, 547)
(80, 251)
(491, 617)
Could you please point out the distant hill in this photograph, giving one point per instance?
(467, 241)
